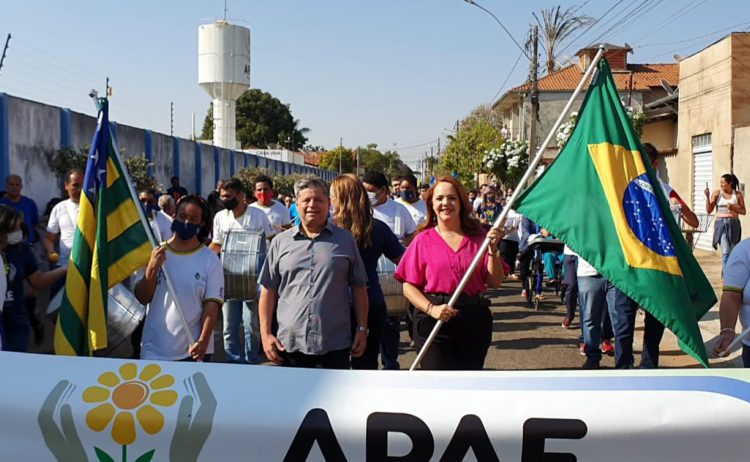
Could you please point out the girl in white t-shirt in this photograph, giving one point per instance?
(198, 281)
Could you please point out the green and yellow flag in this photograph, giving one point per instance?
(110, 244)
(602, 197)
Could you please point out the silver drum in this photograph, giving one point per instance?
(392, 289)
(242, 257)
(124, 313)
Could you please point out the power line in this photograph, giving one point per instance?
(648, 45)
(596, 21)
(472, 2)
(506, 79)
(671, 19)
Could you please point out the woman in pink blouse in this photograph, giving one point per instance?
(431, 270)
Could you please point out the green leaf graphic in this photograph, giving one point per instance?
(103, 456)
(146, 457)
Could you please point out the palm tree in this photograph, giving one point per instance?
(556, 27)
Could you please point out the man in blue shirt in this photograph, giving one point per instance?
(25, 205)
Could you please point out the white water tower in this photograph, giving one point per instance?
(224, 73)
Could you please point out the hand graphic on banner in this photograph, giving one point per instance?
(64, 444)
(191, 434)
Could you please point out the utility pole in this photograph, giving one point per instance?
(5, 49)
(534, 92)
(341, 151)
(171, 118)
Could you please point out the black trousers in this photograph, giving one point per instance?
(462, 342)
(376, 317)
(338, 359)
(509, 251)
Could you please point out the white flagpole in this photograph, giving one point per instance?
(152, 239)
(735, 343)
(516, 192)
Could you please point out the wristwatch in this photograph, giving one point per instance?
(363, 329)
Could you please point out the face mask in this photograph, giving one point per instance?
(15, 237)
(373, 196)
(489, 199)
(184, 231)
(263, 197)
(230, 204)
(408, 195)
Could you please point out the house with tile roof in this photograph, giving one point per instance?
(639, 86)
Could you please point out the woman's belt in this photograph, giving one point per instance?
(464, 300)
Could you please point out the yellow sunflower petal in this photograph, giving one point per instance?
(109, 379)
(149, 372)
(164, 397)
(150, 419)
(95, 394)
(123, 430)
(128, 371)
(164, 381)
(100, 416)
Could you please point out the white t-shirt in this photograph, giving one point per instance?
(737, 279)
(197, 277)
(278, 215)
(417, 210)
(584, 267)
(63, 220)
(477, 203)
(161, 224)
(396, 216)
(252, 220)
(513, 220)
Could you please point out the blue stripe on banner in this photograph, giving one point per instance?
(198, 179)
(231, 162)
(175, 156)
(4, 135)
(148, 141)
(245, 160)
(66, 128)
(257, 161)
(217, 169)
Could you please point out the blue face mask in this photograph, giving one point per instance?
(408, 195)
(185, 231)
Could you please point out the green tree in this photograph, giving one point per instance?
(477, 134)
(138, 170)
(263, 121)
(330, 160)
(282, 184)
(556, 27)
(372, 160)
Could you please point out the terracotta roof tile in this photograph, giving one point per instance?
(645, 76)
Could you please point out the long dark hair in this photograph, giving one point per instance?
(732, 179)
(469, 224)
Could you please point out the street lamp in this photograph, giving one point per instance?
(472, 2)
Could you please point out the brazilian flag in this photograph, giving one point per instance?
(602, 197)
(110, 244)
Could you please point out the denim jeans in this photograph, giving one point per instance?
(598, 296)
(653, 331)
(571, 292)
(745, 356)
(241, 320)
(726, 250)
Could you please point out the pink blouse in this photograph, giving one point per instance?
(433, 267)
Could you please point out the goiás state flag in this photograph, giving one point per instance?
(602, 198)
(110, 243)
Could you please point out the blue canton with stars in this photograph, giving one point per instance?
(96, 167)
(646, 218)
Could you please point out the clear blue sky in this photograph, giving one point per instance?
(385, 71)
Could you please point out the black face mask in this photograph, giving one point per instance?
(408, 195)
(184, 231)
(230, 204)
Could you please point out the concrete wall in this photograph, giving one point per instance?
(28, 130)
(742, 169)
(705, 107)
(740, 82)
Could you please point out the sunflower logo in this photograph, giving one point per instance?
(127, 396)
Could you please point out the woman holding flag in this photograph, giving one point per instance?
(431, 270)
(199, 287)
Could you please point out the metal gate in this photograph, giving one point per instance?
(702, 179)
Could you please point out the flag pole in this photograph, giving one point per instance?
(151, 238)
(734, 343)
(516, 192)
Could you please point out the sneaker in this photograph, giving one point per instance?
(590, 364)
(566, 322)
(582, 349)
(608, 348)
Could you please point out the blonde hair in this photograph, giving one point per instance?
(354, 212)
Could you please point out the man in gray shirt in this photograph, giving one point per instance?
(309, 271)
